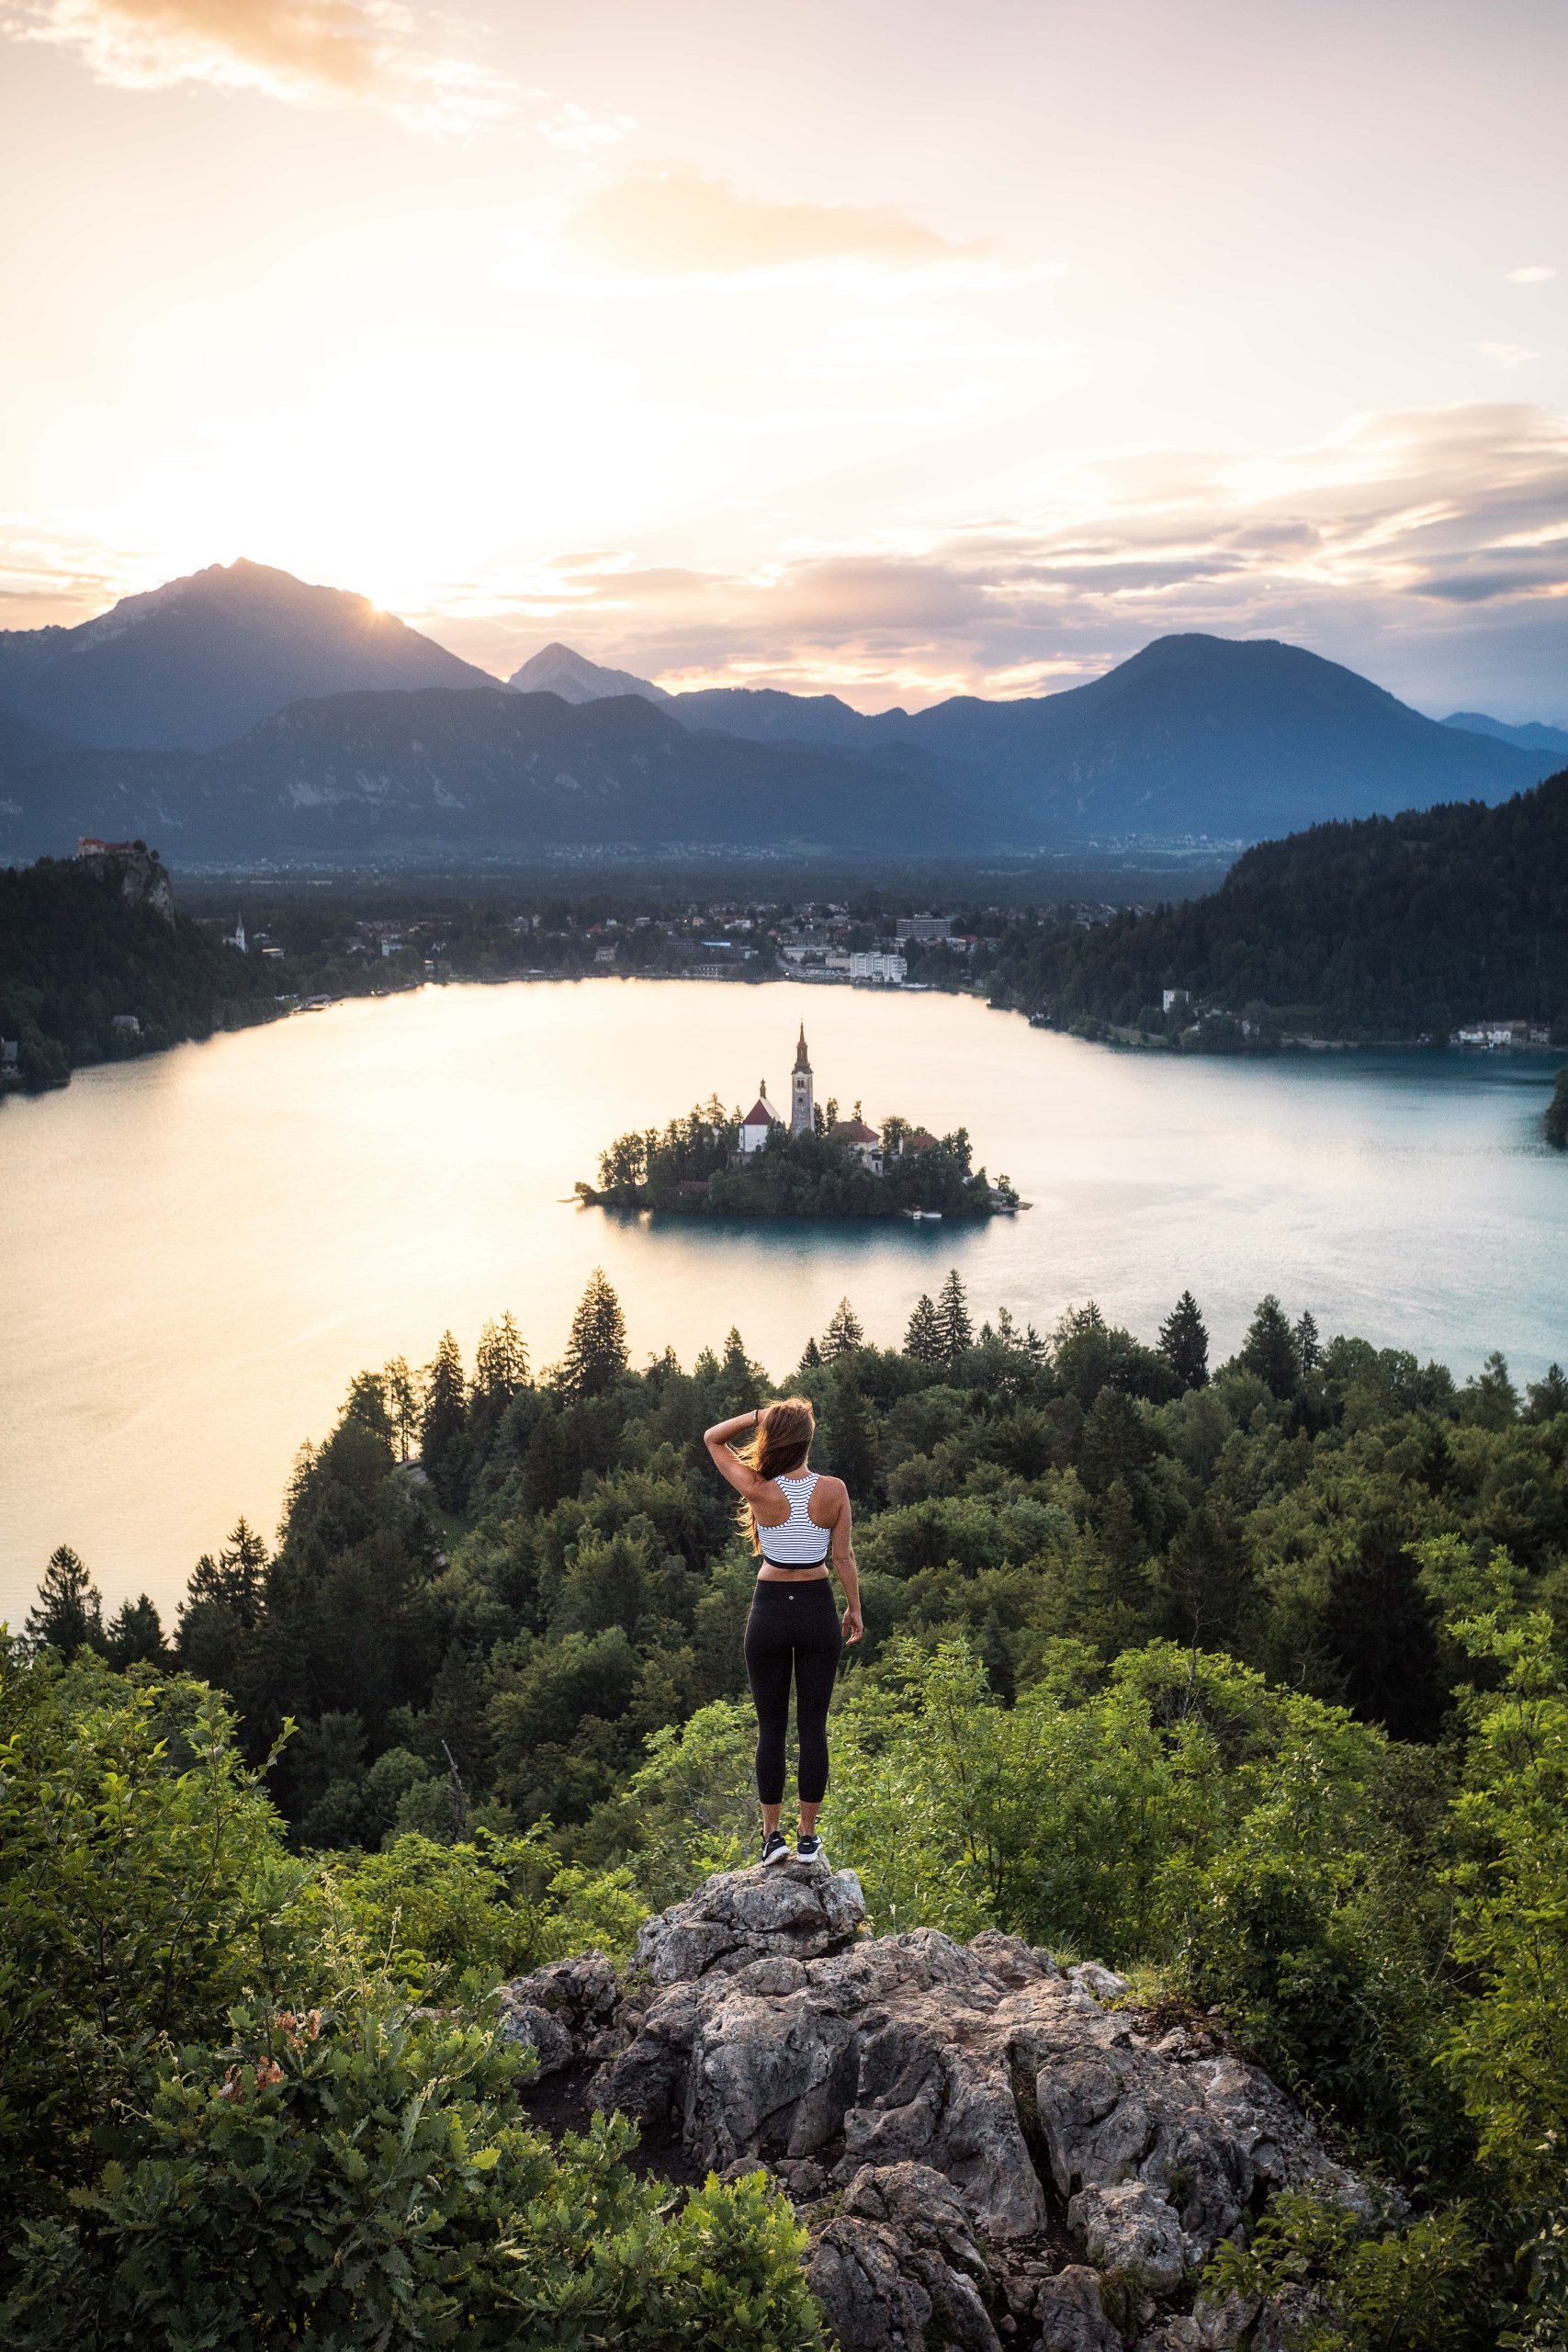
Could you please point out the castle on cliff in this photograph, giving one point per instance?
(762, 1119)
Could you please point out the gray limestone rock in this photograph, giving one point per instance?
(975, 2139)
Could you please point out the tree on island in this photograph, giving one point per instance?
(1184, 1337)
(845, 1332)
(400, 1392)
(68, 1615)
(954, 1324)
(595, 1354)
(923, 1338)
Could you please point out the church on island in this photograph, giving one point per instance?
(762, 1118)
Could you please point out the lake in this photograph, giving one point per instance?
(202, 1247)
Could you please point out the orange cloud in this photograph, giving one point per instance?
(370, 53)
(667, 221)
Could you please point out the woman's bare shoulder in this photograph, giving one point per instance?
(829, 1495)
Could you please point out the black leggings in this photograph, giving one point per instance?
(793, 1628)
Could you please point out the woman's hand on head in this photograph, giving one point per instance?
(855, 1623)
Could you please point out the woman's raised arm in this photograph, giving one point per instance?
(717, 1439)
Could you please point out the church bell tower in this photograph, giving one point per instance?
(802, 1100)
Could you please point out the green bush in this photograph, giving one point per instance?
(362, 2179)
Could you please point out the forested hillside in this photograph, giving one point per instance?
(81, 951)
(1394, 926)
(1249, 1680)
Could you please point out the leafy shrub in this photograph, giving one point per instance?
(362, 2179)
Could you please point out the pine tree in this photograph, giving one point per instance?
(596, 1350)
(236, 1578)
(1309, 1348)
(501, 1361)
(401, 1392)
(68, 1612)
(442, 1451)
(1548, 1397)
(135, 1636)
(923, 1338)
(850, 1439)
(1184, 1339)
(810, 1354)
(1270, 1348)
(953, 1321)
(845, 1332)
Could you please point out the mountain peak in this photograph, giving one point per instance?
(558, 669)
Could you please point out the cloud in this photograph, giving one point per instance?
(370, 53)
(1534, 273)
(1506, 355)
(1374, 546)
(666, 221)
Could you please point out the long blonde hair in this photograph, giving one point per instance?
(779, 1445)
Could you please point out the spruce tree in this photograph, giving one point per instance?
(68, 1612)
(1309, 1348)
(845, 1332)
(236, 1579)
(1184, 1339)
(1269, 1348)
(1548, 1397)
(135, 1636)
(442, 1424)
(849, 1438)
(596, 1350)
(399, 1391)
(501, 1361)
(923, 1338)
(810, 1354)
(953, 1320)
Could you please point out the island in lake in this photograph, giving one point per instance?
(813, 1163)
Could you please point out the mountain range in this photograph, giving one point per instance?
(242, 712)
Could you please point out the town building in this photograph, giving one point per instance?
(874, 964)
(925, 929)
(236, 938)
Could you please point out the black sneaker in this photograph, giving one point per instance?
(776, 1848)
(808, 1848)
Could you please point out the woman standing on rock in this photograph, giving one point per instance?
(797, 1520)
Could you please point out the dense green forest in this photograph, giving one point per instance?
(695, 1166)
(1390, 927)
(78, 952)
(1248, 1679)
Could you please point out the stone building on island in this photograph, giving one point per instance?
(762, 1119)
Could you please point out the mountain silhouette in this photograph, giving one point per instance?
(482, 771)
(556, 670)
(196, 662)
(1236, 739)
(1534, 735)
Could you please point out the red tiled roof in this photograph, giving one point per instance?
(854, 1131)
(920, 1141)
(759, 1116)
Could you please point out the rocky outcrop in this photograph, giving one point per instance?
(987, 2151)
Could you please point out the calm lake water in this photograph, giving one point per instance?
(201, 1249)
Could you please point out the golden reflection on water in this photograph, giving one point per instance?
(201, 1249)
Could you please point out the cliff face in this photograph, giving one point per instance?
(141, 872)
(985, 2151)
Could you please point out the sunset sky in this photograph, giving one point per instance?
(884, 346)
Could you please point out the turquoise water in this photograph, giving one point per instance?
(201, 1249)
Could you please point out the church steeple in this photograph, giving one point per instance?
(802, 1119)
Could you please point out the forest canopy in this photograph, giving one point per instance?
(1246, 1678)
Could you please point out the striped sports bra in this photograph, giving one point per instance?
(797, 1542)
